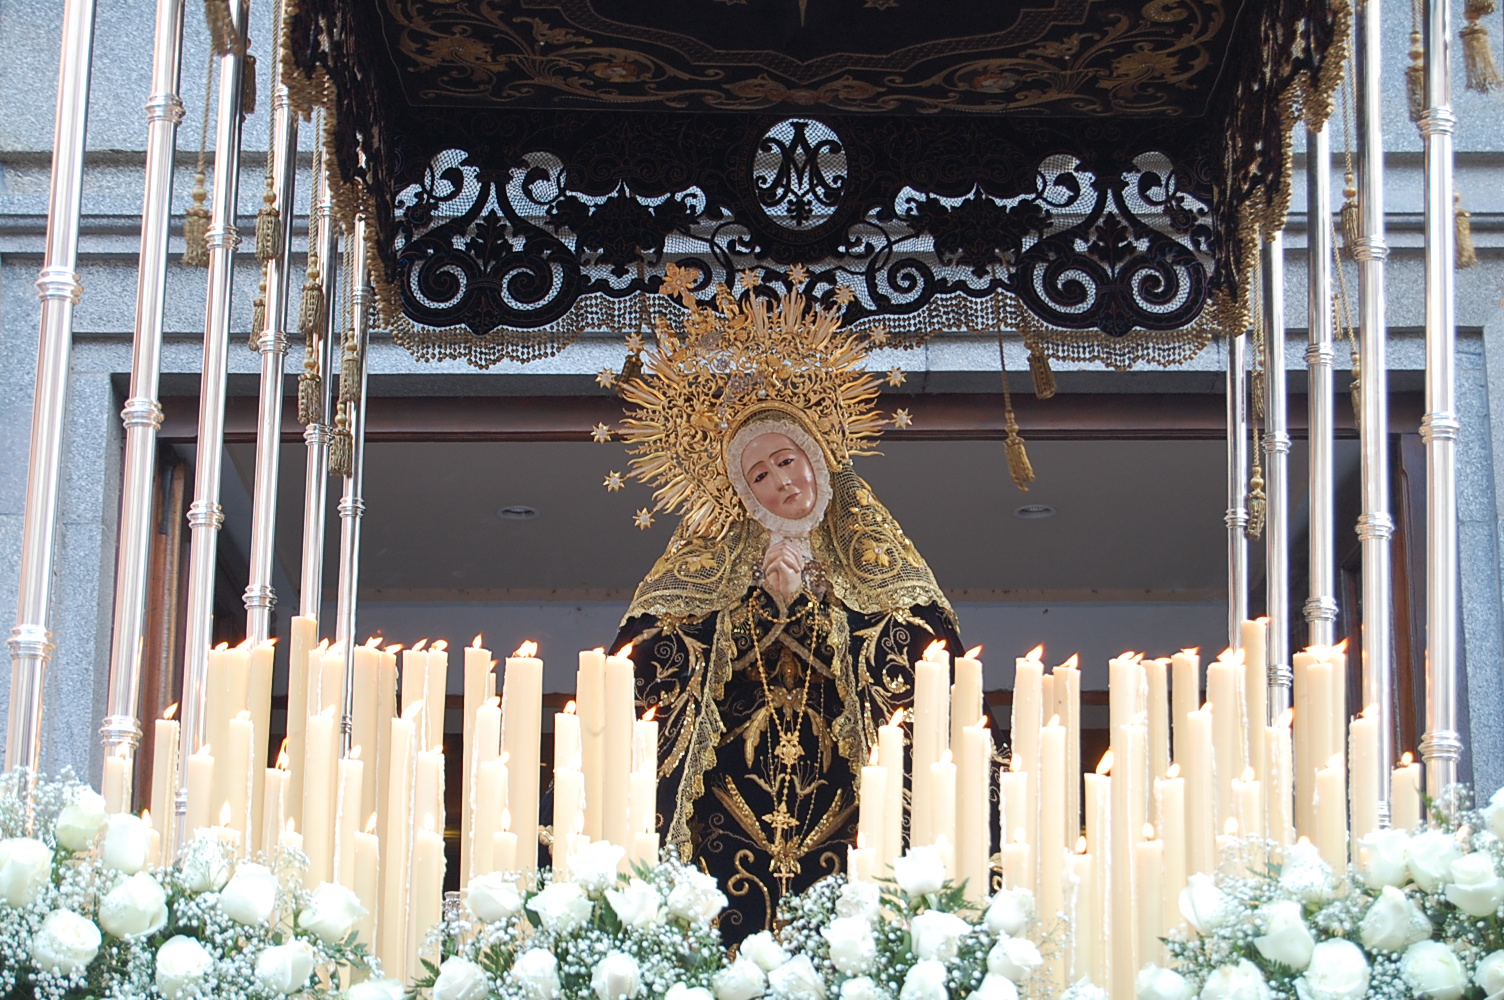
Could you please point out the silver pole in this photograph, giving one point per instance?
(316, 434)
(1441, 746)
(1276, 478)
(1237, 487)
(271, 342)
(1375, 526)
(1321, 604)
(142, 414)
(59, 288)
(205, 515)
(352, 506)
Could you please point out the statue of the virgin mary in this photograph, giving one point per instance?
(779, 628)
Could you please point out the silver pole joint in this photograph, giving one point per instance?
(1321, 609)
(59, 283)
(1437, 121)
(205, 514)
(1440, 426)
(120, 731)
(260, 596)
(1367, 248)
(352, 507)
(1237, 517)
(272, 342)
(223, 238)
(142, 411)
(164, 108)
(1443, 744)
(1321, 354)
(315, 435)
(1276, 443)
(30, 640)
(1376, 526)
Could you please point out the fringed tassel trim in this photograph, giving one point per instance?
(1044, 376)
(1482, 73)
(1462, 220)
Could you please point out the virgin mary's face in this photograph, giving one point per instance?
(780, 475)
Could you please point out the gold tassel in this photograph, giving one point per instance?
(258, 313)
(339, 446)
(268, 226)
(1256, 500)
(1044, 376)
(349, 377)
(1477, 55)
(310, 394)
(222, 35)
(1352, 226)
(1415, 78)
(1019, 466)
(196, 226)
(311, 312)
(1355, 390)
(248, 89)
(1462, 220)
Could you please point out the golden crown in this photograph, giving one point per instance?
(742, 356)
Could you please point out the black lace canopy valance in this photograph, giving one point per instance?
(1089, 171)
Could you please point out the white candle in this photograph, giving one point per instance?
(427, 888)
(1303, 776)
(1200, 793)
(1068, 707)
(116, 784)
(1018, 866)
(415, 689)
(1185, 695)
(1278, 802)
(1169, 797)
(643, 806)
(366, 720)
(484, 799)
(590, 696)
(569, 793)
(1222, 682)
(490, 802)
(1156, 672)
(1099, 838)
(347, 817)
(1255, 636)
(436, 693)
(1404, 794)
(1028, 717)
(239, 772)
(1366, 773)
(620, 710)
(273, 803)
(319, 794)
(1149, 858)
(200, 788)
(871, 797)
(1052, 827)
(1248, 792)
(965, 695)
(504, 846)
(259, 704)
(164, 781)
(567, 738)
(943, 784)
(428, 786)
(1331, 813)
(931, 723)
(391, 924)
(1337, 720)
(1014, 806)
(973, 840)
(303, 635)
(890, 756)
(521, 725)
(368, 879)
(1087, 922)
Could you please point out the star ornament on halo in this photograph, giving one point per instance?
(798, 274)
(606, 379)
(902, 419)
(613, 481)
(634, 343)
(880, 334)
(750, 277)
(643, 519)
(844, 294)
(600, 433)
(896, 376)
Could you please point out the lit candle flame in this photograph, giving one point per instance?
(172, 711)
(1036, 653)
(1071, 662)
(494, 701)
(945, 756)
(411, 711)
(1019, 835)
(1080, 845)
(861, 841)
(290, 827)
(526, 650)
(982, 722)
(1287, 717)
(393, 649)
(1230, 828)
(328, 712)
(1335, 760)
(222, 647)
(244, 643)
(322, 647)
(243, 715)
(1173, 771)
(1014, 764)
(1248, 775)
(897, 719)
(146, 816)
(428, 822)
(1148, 831)
(1054, 720)
(1369, 710)
(973, 652)
(569, 707)
(1340, 648)
(418, 646)
(374, 642)
(205, 751)
(438, 645)
(650, 714)
(1104, 766)
(872, 758)
(505, 756)
(371, 824)
(506, 820)
(354, 753)
(1127, 654)
(1406, 759)
(475, 643)
(224, 814)
(282, 759)
(1191, 651)
(625, 652)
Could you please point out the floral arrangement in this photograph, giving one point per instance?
(83, 913)
(1418, 916)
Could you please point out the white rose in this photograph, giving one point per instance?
(637, 904)
(593, 867)
(1493, 814)
(1489, 975)
(743, 979)
(493, 896)
(1286, 938)
(1243, 981)
(537, 972)
(333, 913)
(1475, 887)
(561, 906)
(1392, 923)
(182, 964)
(1014, 958)
(1010, 911)
(376, 989)
(205, 865)
(251, 894)
(1383, 854)
(1338, 971)
(863, 988)
(994, 988)
(1305, 875)
(460, 979)
(615, 977)
(1431, 857)
(285, 968)
(1083, 989)
(127, 842)
(681, 991)
(1432, 970)
(853, 949)
(765, 950)
(797, 980)
(696, 897)
(25, 868)
(1155, 983)
(925, 981)
(1203, 905)
(920, 872)
(66, 943)
(136, 906)
(937, 935)
(80, 821)
(860, 899)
